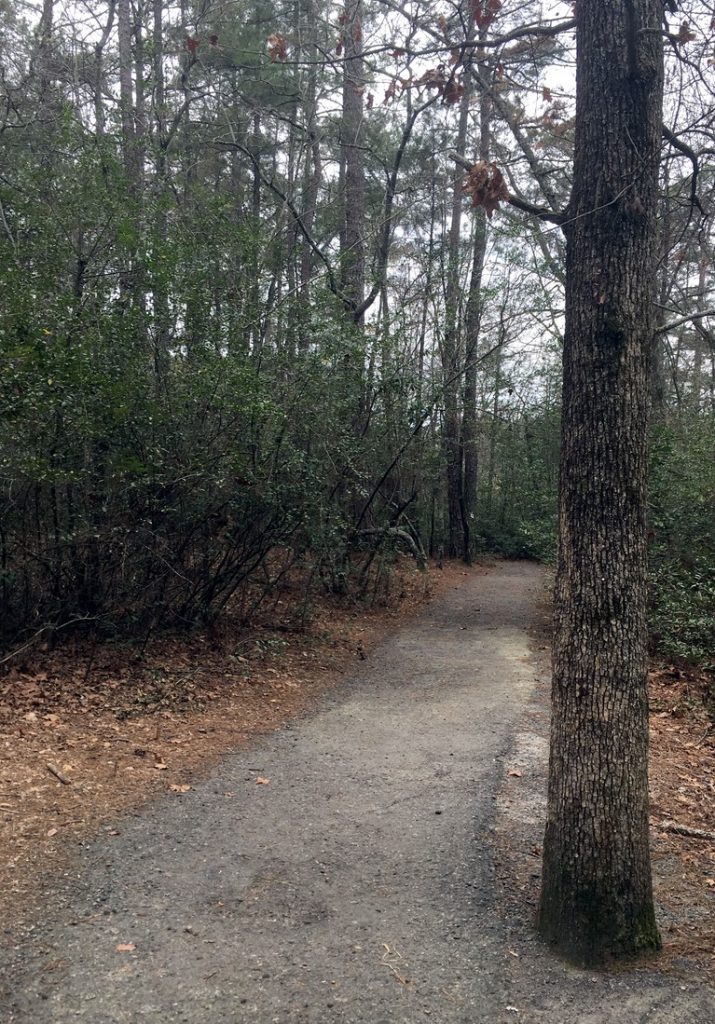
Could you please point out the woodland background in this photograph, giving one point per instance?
(251, 329)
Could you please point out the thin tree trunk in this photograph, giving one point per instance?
(353, 239)
(159, 287)
(126, 94)
(99, 115)
(42, 59)
(254, 309)
(312, 165)
(468, 441)
(451, 355)
(596, 900)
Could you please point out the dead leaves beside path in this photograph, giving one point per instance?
(87, 729)
(682, 783)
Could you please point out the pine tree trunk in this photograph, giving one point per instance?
(596, 901)
(452, 344)
(472, 322)
(312, 172)
(352, 256)
(126, 95)
(160, 297)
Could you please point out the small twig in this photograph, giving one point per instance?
(392, 952)
(691, 317)
(400, 978)
(682, 147)
(704, 736)
(58, 775)
(685, 830)
(19, 650)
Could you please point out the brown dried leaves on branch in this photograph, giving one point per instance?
(277, 47)
(486, 187)
(686, 34)
(448, 86)
(485, 11)
(453, 91)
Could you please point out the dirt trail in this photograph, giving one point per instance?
(355, 885)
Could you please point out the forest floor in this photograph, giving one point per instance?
(368, 850)
(123, 723)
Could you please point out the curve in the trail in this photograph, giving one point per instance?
(356, 886)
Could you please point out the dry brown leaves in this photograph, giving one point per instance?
(121, 724)
(682, 785)
(277, 47)
(485, 186)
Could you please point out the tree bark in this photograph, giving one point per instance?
(596, 901)
(312, 172)
(472, 322)
(451, 344)
(160, 297)
(353, 235)
(126, 95)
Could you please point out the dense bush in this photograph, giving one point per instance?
(130, 505)
(682, 550)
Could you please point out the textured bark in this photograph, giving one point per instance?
(126, 95)
(353, 235)
(99, 85)
(160, 297)
(42, 57)
(596, 901)
(313, 171)
(451, 345)
(472, 322)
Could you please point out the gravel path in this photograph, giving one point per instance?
(355, 886)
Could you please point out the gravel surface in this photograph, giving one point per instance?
(338, 871)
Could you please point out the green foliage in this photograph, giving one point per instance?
(682, 551)
(517, 495)
(187, 409)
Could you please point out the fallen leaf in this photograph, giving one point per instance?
(184, 788)
(515, 773)
(260, 781)
(160, 766)
(125, 947)
(51, 832)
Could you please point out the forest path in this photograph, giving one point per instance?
(357, 885)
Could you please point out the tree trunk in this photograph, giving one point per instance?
(312, 172)
(472, 321)
(451, 345)
(42, 57)
(353, 236)
(596, 900)
(126, 96)
(160, 297)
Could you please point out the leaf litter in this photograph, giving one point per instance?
(89, 730)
